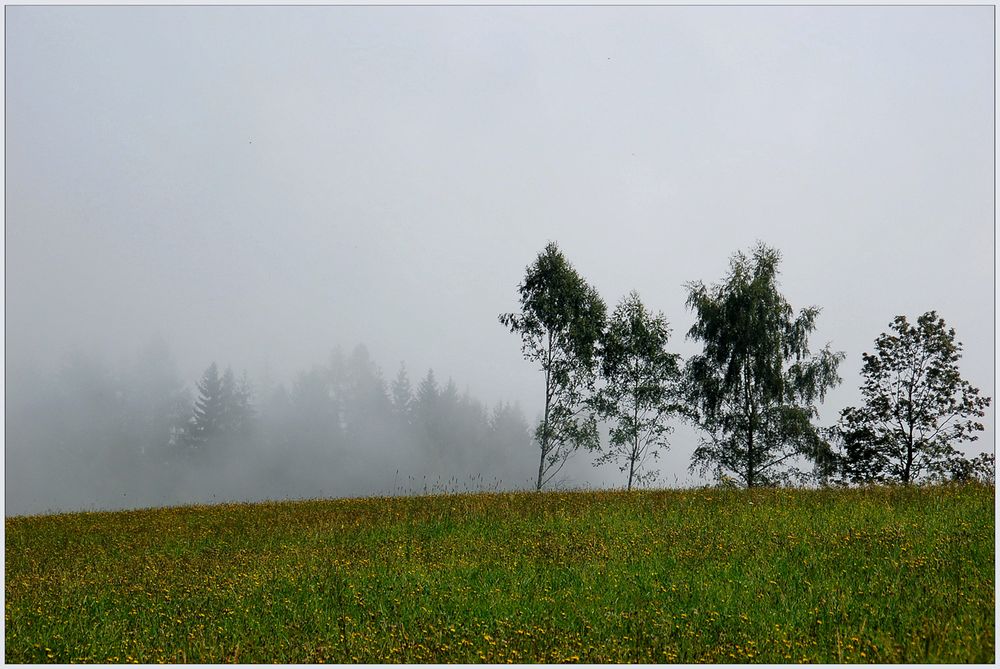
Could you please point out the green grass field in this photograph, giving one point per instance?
(875, 575)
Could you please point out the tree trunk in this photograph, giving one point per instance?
(545, 436)
(635, 438)
(909, 458)
(909, 437)
(751, 474)
(545, 419)
(631, 471)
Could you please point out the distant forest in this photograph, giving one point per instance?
(100, 437)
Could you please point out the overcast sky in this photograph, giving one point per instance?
(260, 184)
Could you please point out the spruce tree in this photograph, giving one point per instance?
(402, 394)
(209, 416)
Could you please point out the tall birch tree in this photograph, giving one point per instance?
(560, 322)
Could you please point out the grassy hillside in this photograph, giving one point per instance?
(878, 575)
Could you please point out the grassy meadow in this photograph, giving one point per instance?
(869, 575)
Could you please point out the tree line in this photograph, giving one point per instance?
(753, 391)
(104, 437)
(93, 435)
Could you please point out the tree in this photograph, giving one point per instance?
(642, 387)
(315, 425)
(367, 416)
(156, 403)
(366, 402)
(208, 418)
(223, 409)
(560, 322)
(237, 404)
(755, 386)
(425, 413)
(427, 393)
(917, 407)
(509, 437)
(402, 395)
(981, 468)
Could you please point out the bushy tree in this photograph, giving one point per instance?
(641, 387)
(560, 321)
(917, 407)
(981, 468)
(756, 385)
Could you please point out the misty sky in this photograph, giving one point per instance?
(260, 184)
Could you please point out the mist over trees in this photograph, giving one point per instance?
(102, 436)
(92, 435)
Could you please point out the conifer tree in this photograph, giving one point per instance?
(402, 394)
(209, 416)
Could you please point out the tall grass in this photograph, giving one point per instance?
(871, 575)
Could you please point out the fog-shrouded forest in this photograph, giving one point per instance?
(106, 436)
(135, 434)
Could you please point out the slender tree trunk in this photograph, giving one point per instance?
(751, 474)
(545, 419)
(635, 426)
(635, 438)
(909, 458)
(748, 412)
(631, 470)
(545, 436)
(909, 437)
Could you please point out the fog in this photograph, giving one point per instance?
(312, 196)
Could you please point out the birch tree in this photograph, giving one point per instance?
(560, 321)
(756, 386)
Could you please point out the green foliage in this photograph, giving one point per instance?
(641, 388)
(872, 575)
(917, 408)
(756, 385)
(560, 323)
(981, 468)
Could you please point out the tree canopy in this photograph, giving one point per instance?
(917, 407)
(641, 387)
(756, 385)
(560, 322)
